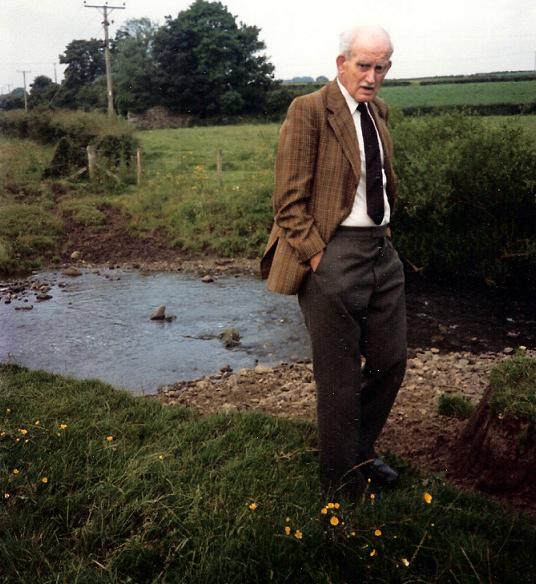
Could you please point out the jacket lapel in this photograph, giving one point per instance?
(341, 121)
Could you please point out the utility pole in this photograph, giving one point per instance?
(55, 74)
(107, 59)
(25, 92)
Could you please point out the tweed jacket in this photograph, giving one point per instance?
(316, 176)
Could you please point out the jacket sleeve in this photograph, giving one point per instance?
(294, 179)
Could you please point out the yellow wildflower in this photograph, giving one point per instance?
(373, 553)
(378, 532)
(16, 471)
(62, 426)
(331, 505)
(427, 498)
(324, 510)
(334, 520)
(109, 438)
(161, 457)
(23, 431)
(37, 422)
(405, 562)
(298, 534)
(336, 505)
(2, 434)
(44, 480)
(287, 530)
(252, 506)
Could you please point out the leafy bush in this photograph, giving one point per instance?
(466, 198)
(454, 405)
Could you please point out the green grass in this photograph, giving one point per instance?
(513, 385)
(454, 406)
(167, 499)
(183, 194)
(460, 94)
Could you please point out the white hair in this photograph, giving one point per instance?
(348, 37)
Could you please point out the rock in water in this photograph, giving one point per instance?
(72, 271)
(159, 313)
(207, 279)
(230, 337)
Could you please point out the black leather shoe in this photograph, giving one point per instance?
(379, 472)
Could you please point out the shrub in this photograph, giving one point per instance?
(466, 198)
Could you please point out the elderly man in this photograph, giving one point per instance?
(331, 244)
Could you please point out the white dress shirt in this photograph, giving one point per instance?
(358, 216)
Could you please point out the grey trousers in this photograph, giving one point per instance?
(354, 307)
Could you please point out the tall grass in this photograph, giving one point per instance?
(99, 486)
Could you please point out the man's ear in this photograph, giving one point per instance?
(341, 59)
(388, 67)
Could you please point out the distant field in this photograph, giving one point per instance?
(460, 94)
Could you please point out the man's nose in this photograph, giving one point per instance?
(370, 77)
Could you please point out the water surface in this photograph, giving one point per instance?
(98, 326)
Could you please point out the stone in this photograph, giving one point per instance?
(75, 255)
(42, 296)
(262, 369)
(71, 271)
(207, 279)
(28, 307)
(230, 337)
(159, 313)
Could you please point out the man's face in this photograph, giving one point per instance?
(364, 71)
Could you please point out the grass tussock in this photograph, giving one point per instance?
(455, 405)
(513, 385)
(99, 486)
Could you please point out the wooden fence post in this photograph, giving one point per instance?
(138, 166)
(219, 164)
(92, 161)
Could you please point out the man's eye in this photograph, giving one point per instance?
(363, 67)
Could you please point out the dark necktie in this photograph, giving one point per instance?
(373, 161)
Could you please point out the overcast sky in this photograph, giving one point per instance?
(301, 36)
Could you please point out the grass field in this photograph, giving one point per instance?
(460, 94)
(97, 486)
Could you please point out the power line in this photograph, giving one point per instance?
(107, 58)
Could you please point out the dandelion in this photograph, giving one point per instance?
(336, 505)
(23, 431)
(62, 426)
(324, 510)
(109, 438)
(331, 505)
(287, 530)
(298, 534)
(252, 506)
(373, 553)
(44, 480)
(334, 521)
(378, 532)
(16, 471)
(405, 561)
(427, 498)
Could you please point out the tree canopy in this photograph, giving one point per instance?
(208, 64)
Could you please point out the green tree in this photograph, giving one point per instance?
(134, 67)
(209, 65)
(83, 85)
(42, 91)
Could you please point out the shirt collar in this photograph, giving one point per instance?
(350, 101)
